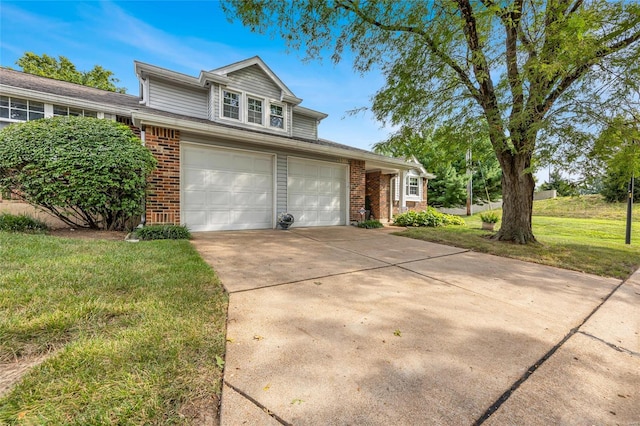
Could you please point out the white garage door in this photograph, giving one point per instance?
(316, 192)
(226, 189)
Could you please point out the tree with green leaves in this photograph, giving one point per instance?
(63, 69)
(617, 148)
(445, 156)
(518, 67)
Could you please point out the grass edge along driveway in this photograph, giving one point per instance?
(579, 233)
(135, 332)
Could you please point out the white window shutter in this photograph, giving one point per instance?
(396, 189)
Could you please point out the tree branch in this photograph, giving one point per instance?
(564, 84)
(433, 47)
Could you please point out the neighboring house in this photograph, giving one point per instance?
(234, 148)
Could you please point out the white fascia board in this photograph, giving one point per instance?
(206, 76)
(143, 118)
(309, 112)
(291, 99)
(143, 69)
(58, 99)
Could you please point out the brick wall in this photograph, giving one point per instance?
(378, 192)
(163, 194)
(357, 188)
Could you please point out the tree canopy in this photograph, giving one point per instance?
(521, 68)
(63, 69)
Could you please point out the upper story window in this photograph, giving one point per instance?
(276, 118)
(254, 110)
(20, 109)
(60, 110)
(231, 105)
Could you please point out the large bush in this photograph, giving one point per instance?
(428, 217)
(90, 173)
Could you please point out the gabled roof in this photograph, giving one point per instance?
(256, 60)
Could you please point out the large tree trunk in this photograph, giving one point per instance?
(517, 199)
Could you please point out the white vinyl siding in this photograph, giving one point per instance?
(225, 189)
(316, 192)
(179, 99)
(253, 80)
(305, 127)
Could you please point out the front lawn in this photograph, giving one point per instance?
(134, 333)
(591, 242)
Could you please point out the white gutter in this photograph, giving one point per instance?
(141, 118)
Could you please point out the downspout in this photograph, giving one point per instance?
(143, 218)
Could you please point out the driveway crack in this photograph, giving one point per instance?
(611, 345)
(259, 405)
(507, 394)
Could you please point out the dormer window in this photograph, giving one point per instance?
(231, 105)
(276, 118)
(254, 110)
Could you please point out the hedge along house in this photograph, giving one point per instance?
(234, 148)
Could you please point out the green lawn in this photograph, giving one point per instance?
(135, 332)
(581, 233)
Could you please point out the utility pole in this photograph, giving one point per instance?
(469, 183)
(627, 239)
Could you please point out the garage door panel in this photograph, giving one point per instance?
(226, 190)
(316, 192)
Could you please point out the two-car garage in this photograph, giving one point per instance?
(229, 189)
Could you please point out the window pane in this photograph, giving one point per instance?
(36, 106)
(4, 101)
(18, 103)
(277, 117)
(4, 112)
(35, 115)
(231, 107)
(75, 112)
(60, 110)
(18, 114)
(254, 115)
(90, 114)
(277, 122)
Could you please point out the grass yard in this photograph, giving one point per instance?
(579, 233)
(135, 333)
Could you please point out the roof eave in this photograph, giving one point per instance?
(141, 118)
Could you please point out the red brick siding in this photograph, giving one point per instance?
(163, 195)
(357, 188)
(378, 193)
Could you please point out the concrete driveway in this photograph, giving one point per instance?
(346, 326)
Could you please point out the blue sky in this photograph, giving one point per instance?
(184, 36)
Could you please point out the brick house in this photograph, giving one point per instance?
(234, 148)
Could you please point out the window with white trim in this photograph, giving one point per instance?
(231, 105)
(20, 109)
(413, 186)
(254, 110)
(276, 116)
(63, 111)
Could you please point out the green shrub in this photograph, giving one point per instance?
(163, 232)
(21, 223)
(428, 217)
(370, 224)
(489, 217)
(90, 173)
